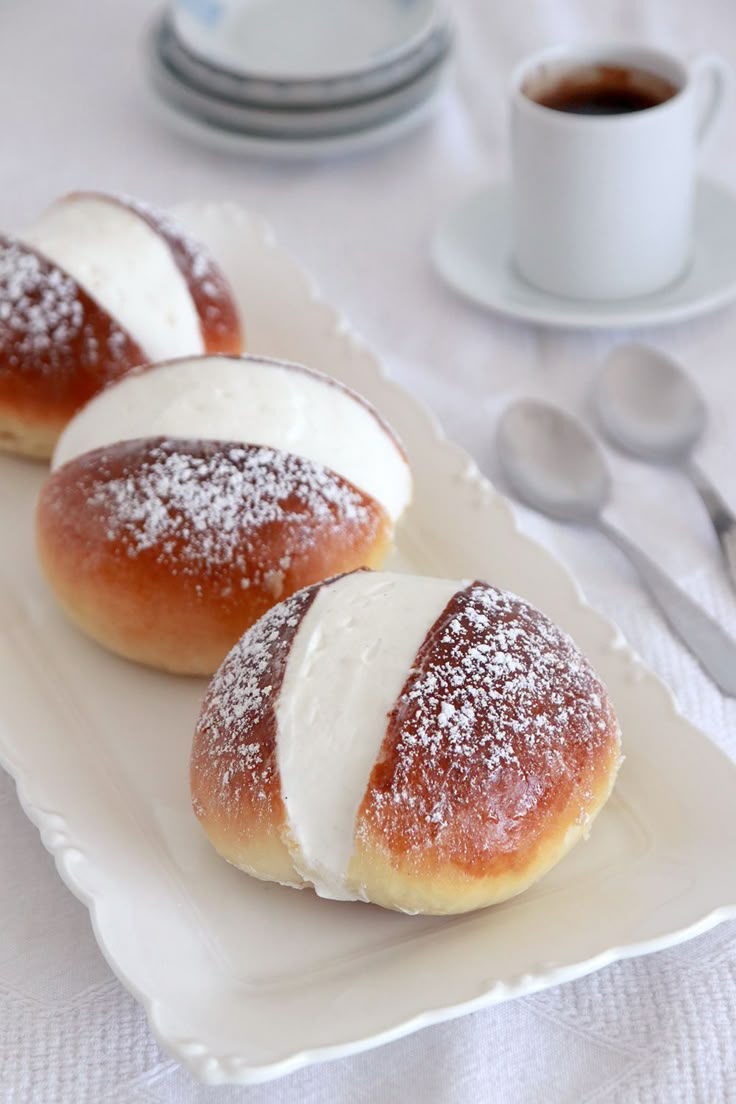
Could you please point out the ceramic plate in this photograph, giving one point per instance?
(244, 981)
(271, 93)
(291, 40)
(285, 122)
(472, 251)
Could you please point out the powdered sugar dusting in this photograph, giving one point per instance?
(498, 721)
(235, 744)
(43, 312)
(200, 505)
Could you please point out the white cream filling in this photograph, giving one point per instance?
(127, 267)
(256, 401)
(347, 666)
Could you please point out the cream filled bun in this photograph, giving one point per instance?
(428, 745)
(98, 286)
(188, 498)
(139, 265)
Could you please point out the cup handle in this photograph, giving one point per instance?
(713, 74)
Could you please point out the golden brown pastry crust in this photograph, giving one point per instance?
(247, 823)
(501, 749)
(167, 551)
(475, 809)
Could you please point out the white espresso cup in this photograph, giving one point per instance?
(603, 203)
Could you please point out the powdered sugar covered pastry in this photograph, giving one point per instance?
(145, 271)
(190, 497)
(427, 745)
(98, 285)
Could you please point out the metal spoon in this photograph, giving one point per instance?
(556, 467)
(649, 408)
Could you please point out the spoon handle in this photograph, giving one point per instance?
(711, 645)
(720, 514)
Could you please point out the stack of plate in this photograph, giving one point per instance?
(293, 75)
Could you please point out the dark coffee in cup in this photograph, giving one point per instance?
(599, 90)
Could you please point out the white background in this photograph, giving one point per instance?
(74, 113)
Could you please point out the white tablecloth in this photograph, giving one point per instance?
(73, 112)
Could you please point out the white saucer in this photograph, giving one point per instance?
(472, 251)
(295, 149)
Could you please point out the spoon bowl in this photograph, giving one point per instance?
(555, 466)
(648, 406)
(552, 463)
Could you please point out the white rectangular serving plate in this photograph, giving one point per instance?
(244, 981)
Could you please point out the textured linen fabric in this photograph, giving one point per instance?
(73, 112)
